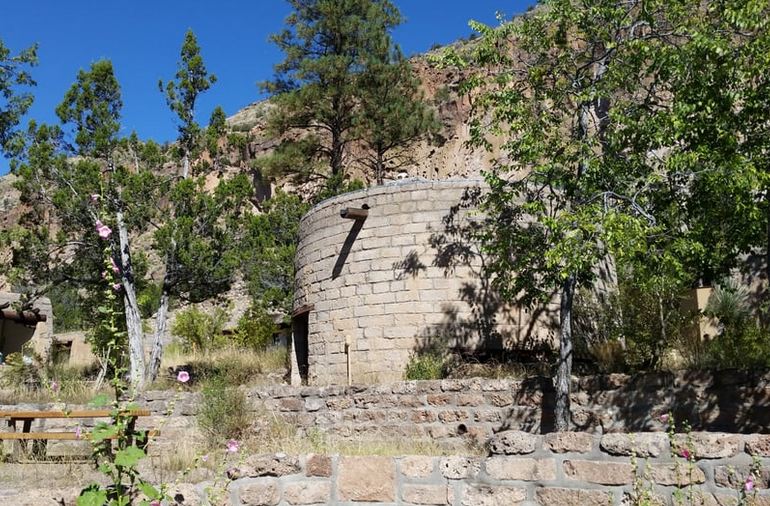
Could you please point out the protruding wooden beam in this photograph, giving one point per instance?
(355, 213)
(22, 316)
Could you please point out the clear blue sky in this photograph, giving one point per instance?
(143, 38)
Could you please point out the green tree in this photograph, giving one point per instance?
(556, 85)
(268, 247)
(392, 111)
(197, 234)
(182, 93)
(14, 73)
(327, 43)
(74, 203)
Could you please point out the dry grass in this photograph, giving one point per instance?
(74, 386)
(235, 366)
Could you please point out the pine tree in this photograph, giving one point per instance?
(13, 104)
(327, 43)
(392, 112)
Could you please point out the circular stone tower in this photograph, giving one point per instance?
(389, 271)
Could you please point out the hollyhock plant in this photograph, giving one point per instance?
(233, 446)
(749, 485)
(95, 197)
(115, 267)
(183, 377)
(103, 230)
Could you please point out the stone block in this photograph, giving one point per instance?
(513, 468)
(513, 442)
(425, 494)
(416, 466)
(603, 473)
(278, 464)
(489, 495)
(458, 468)
(572, 497)
(263, 492)
(681, 475)
(643, 444)
(711, 445)
(318, 465)
(569, 442)
(307, 492)
(758, 445)
(367, 479)
(735, 477)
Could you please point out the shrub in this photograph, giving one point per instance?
(255, 328)
(425, 366)
(197, 329)
(223, 412)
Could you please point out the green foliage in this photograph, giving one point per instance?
(392, 111)
(14, 74)
(148, 298)
(69, 311)
(326, 44)
(741, 342)
(198, 330)
(255, 328)
(182, 93)
(268, 246)
(223, 412)
(425, 366)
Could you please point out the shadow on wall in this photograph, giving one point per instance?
(721, 401)
(490, 327)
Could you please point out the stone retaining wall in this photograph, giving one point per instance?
(455, 413)
(556, 470)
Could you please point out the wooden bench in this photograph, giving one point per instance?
(40, 439)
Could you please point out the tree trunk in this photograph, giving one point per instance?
(133, 317)
(185, 165)
(564, 371)
(161, 321)
(380, 168)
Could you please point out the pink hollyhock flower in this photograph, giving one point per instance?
(664, 418)
(116, 286)
(205, 458)
(183, 377)
(749, 485)
(103, 230)
(115, 267)
(685, 454)
(233, 446)
(95, 197)
(78, 432)
(155, 503)
(54, 386)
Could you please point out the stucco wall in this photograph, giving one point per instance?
(399, 280)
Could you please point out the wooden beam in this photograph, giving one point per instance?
(303, 309)
(22, 316)
(354, 213)
(96, 413)
(64, 436)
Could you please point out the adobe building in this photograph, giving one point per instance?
(389, 271)
(17, 328)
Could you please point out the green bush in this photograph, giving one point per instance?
(425, 366)
(255, 328)
(199, 330)
(223, 412)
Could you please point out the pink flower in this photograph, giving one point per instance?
(685, 453)
(78, 432)
(116, 286)
(103, 230)
(54, 386)
(664, 418)
(749, 485)
(233, 446)
(183, 377)
(155, 503)
(205, 458)
(95, 197)
(115, 267)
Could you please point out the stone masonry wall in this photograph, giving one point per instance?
(393, 282)
(456, 413)
(558, 469)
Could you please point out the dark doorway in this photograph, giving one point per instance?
(299, 329)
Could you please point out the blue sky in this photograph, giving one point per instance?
(143, 38)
